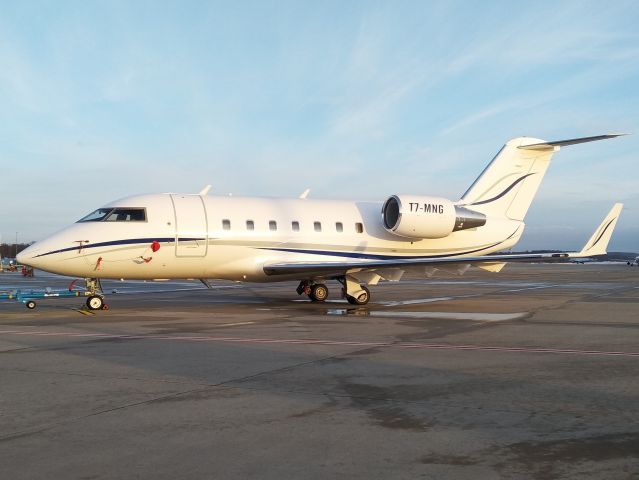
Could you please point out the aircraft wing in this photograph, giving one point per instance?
(389, 268)
(329, 269)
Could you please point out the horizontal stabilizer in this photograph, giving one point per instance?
(565, 143)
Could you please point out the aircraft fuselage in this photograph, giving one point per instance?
(232, 238)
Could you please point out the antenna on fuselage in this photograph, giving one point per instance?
(205, 190)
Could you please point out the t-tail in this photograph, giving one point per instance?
(509, 183)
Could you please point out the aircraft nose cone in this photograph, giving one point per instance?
(26, 256)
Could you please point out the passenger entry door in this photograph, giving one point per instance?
(191, 228)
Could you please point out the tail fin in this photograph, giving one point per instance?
(509, 183)
(598, 242)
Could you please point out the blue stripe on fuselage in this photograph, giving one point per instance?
(129, 241)
(372, 256)
(369, 256)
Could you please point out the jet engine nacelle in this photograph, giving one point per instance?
(427, 217)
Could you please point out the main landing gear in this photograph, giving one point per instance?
(317, 292)
(95, 297)
(354, 293)
(362, 298)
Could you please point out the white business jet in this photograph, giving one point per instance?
(177, 236)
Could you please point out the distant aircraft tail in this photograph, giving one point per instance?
(509, 183)
(598, 242)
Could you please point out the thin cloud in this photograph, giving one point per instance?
(413, 97)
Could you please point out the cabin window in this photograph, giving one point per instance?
(127, 215)
(272, 225)
(339, 227)
(296, 226)
(317, 226)
(226, 224)
(250, 225)
(359, 228)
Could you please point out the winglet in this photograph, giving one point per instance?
(305, 193)
(598, 242)
(205, 190)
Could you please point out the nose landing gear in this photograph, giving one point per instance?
(95, 299)
(95, 302)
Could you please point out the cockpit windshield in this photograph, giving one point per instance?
(126, 215)
(97, 216)
(116, 215)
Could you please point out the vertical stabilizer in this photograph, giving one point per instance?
(598, 242)
(509, 183)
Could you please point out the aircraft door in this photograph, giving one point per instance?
(191, 228)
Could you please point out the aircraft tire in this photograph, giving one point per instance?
(362, 299)
(95, 302)
(319, 292)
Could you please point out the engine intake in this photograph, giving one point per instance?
(427, 217)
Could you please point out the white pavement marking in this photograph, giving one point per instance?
(286, 341)
(234, 324)
(481, 317)
(325, 301)
(417, 301)
(529, 288)
(472, 295)
(125, 291)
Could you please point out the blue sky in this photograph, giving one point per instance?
(100, 100)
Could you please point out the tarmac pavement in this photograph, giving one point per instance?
(529, 373)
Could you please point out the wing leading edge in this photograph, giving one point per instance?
(596, 245)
